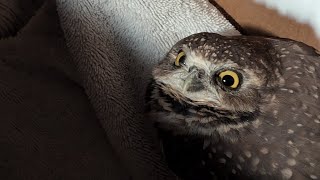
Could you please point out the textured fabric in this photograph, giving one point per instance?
(14, 14)
(48, 129)
(115, 44)
(54, 104)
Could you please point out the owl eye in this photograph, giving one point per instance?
(180, 59)
(229, 79)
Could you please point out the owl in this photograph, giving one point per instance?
(238, 107)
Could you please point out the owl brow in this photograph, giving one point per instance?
(207, 63)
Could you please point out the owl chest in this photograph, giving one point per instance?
(258, 156)
(283, 145)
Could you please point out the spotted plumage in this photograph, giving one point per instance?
(238, 107)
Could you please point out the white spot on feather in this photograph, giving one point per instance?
(286, 173)
(313, 176)
(264, 150)
(255, 161)
(228, 154)
(247, 153)
(222, 160)
(241, 159)
(291, 162)
(290, 131)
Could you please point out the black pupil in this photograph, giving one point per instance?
(182, 59)
(228, 80)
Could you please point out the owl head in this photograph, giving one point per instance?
(211, 83)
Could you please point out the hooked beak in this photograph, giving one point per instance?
(188, 81)
(192, 82)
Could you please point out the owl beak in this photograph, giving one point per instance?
(192, 82)
(187, 81)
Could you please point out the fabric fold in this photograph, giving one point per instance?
(15, 14)
(114, 45)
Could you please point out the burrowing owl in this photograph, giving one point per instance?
(239, 107)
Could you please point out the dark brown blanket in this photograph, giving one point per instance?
(48, 129)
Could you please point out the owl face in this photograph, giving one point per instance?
(216, 81)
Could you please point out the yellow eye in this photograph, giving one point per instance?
(229, 79)
(180, 59)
